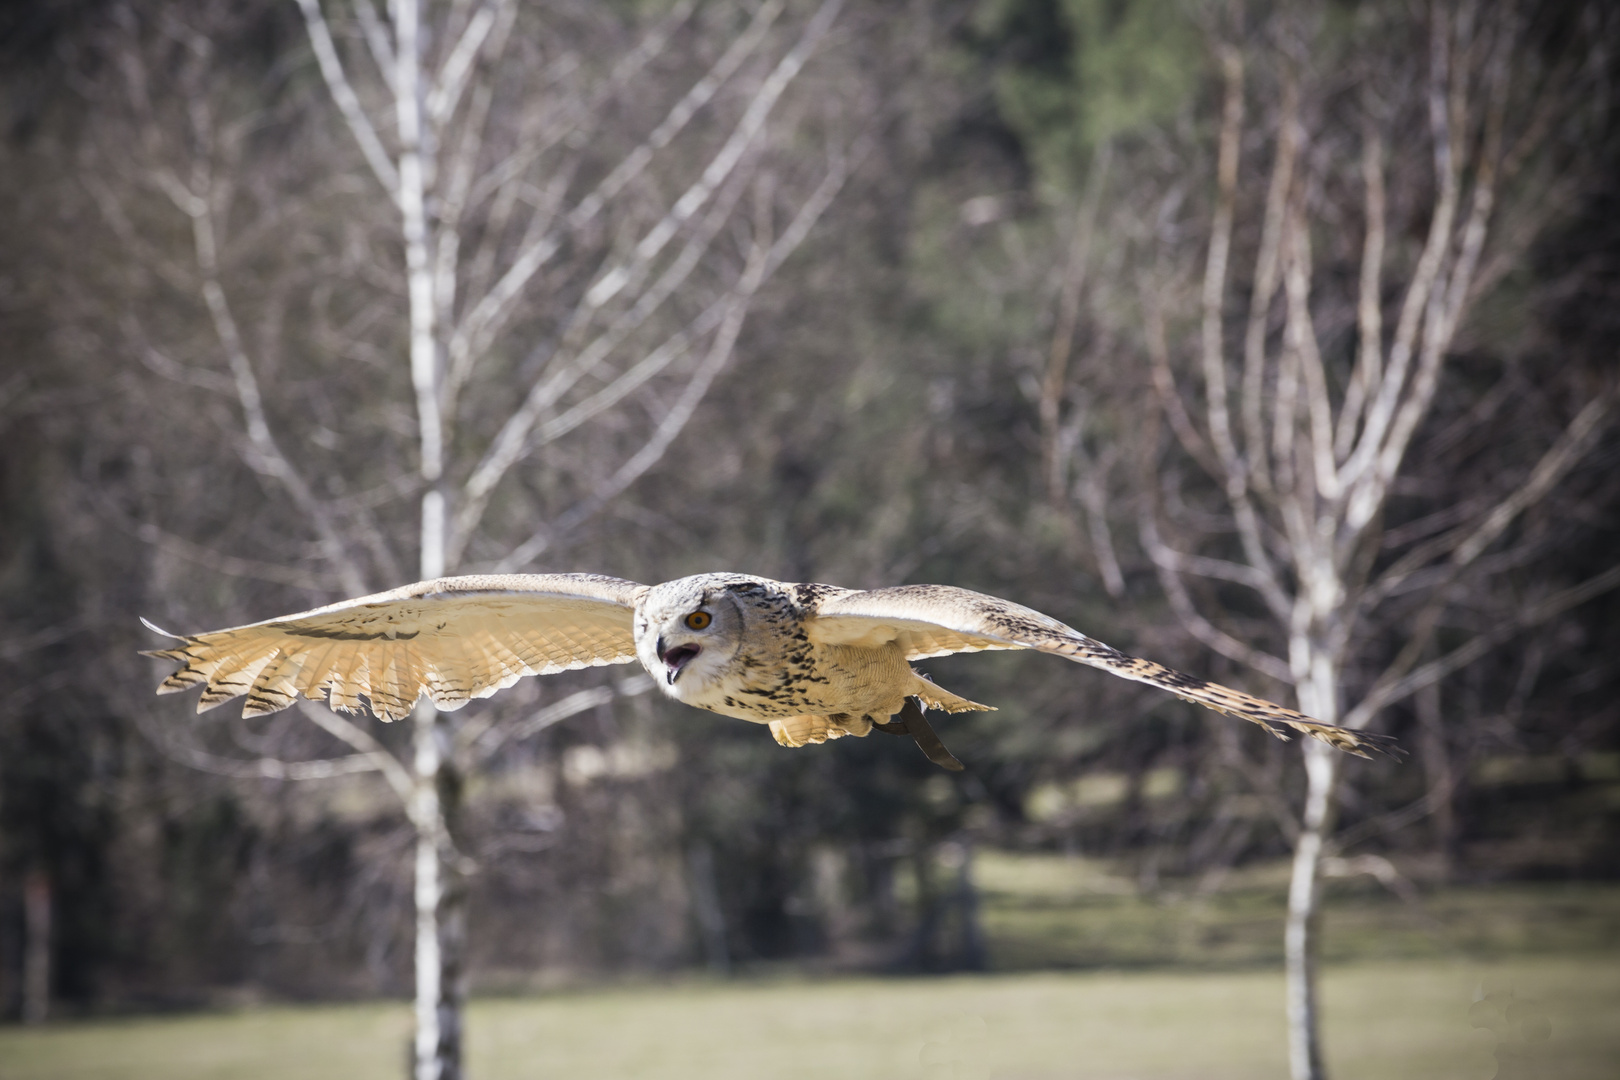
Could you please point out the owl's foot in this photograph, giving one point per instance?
(914, 723)
(804, 730)
(799, 730)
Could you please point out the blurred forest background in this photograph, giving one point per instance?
(938, 318)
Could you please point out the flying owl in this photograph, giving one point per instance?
(814, 662)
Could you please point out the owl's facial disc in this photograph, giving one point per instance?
(688, 633)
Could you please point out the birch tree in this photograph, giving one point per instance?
(1313, 371)
(549, 275)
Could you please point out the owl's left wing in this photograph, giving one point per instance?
(453, 639)
(934, 620)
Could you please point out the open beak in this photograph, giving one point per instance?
(676, 659)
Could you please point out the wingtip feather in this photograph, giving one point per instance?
(1379, 743)
(156, 629)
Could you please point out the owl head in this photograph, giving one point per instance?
(689, 632)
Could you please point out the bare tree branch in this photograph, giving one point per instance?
(261, 768)
(1389, 690)
(673, 422)
(1366, 494)
(1267, 263)
(609, 284)
(234, 565)
(1263, 785)
(11, 648)
(1089, 487)
(1068, 314)
(371, 28)
(447, 86)
(1368, 370)
(517, 437)
(1466, 544)
(1164, 383)
(1301, 332)
(529, 149)
(489, 472)
(1233, 472)
(398, 776)
(1447, 304)
(1220, 242)
(1554, 464)
(485, 744)
(343, 96)
(266, 456)
(1167, 562)
(162, 364)
(471, 337)
(456, 177)
(267, 768)
(635, 162)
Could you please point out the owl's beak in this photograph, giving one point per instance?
(676, 659)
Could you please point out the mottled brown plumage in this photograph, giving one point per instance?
(814, 662)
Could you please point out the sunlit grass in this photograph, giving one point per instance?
(1385, 1021)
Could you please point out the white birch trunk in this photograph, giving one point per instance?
(1318, 692)
(1301, 944)
(441, 929)
(441, 922)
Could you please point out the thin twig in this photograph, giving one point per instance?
(1267, 263)
(266, 456)
(485, 319)
(713, 317)
(1166, 563)
(1392, 687)
(398, 776)
(337, 83)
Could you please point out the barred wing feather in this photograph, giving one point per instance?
(453, 639)
(933, 620)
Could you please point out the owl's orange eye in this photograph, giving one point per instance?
(698, 620)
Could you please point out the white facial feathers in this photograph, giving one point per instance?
(688, 633)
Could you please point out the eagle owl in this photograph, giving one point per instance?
(814, 662)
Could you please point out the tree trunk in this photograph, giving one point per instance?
(1318, 696)
(710, 916)
(441, 915)
(36, 988)
(1300, 935)
(441, 919)
(441, 898)
(973, 956)
(1438, 770)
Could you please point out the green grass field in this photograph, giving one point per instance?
(1094, 980)
(1386, 1020)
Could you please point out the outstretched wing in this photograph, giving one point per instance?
(933, 620)
(453, 639)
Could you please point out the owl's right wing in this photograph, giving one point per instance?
(933, 620)
(453, 639)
